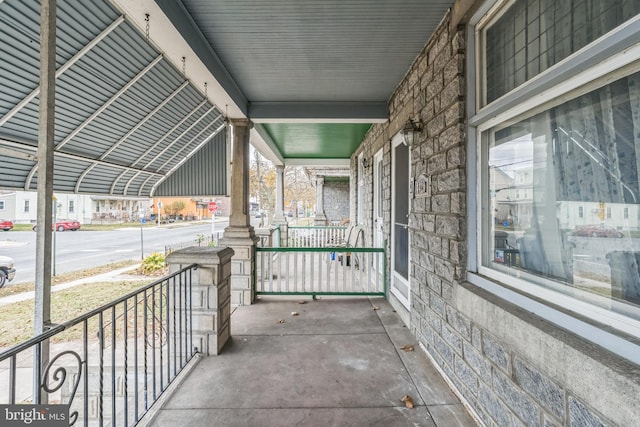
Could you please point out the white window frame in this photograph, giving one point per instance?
(590, 67)
(360, 190)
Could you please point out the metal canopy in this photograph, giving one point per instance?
(297, 63)
(126, 117)
(131, 102)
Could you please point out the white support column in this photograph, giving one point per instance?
(42, 315)
(321, 218)
(279, 218)
(279, 192)
(239, 235)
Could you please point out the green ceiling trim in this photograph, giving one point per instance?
(336, 178)
(317, 140)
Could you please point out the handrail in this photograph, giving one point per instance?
(150, 335)
(329, 270)
(317, 227)
(322, 249)
(56, 329)
(315, 236)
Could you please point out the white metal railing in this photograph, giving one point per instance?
(315, 237)
(320, 271)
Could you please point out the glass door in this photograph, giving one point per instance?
(400, 285)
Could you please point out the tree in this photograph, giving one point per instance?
(298, 188)
(262, 184)
(173, 208)
(262, 181)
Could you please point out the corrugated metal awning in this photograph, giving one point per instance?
(126, 117)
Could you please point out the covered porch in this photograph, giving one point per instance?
(337, 362)
(425, 103)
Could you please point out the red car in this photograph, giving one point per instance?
(597, 230)
(64, 225)
(5, 224)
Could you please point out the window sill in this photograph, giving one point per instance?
(627, 347)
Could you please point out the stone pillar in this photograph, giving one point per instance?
(210, 294)
(279, 219)
(321, 218)
(239, 235)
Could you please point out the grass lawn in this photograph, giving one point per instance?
(66, 277)
(16, 320)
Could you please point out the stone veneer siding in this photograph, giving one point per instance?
(512, 368)
(336, 199)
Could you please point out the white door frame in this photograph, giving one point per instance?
(396, 280)
(378, 219)
(360, 193)
(377, 265)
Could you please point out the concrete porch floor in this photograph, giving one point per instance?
(337, 363)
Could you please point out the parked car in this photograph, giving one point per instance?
(63, 225)
(597, 230)
(7, 272)
(6, 224)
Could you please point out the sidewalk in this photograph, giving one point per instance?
(110, 276)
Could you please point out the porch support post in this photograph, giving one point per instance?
(42, 315)
(279, 218)
(321, 218)
(210, 294)
(240, 235)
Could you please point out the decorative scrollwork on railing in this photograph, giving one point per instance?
(53, 381)
(157, 337)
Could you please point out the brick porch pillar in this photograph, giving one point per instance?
(210, 294)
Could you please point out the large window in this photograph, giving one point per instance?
(532, 35)
(582, 153)
(559, 180)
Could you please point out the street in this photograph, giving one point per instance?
(77, 250)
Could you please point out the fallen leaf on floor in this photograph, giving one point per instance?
(408, 401)
(375, 307)
(302, 302)
(294, 313)
(280, 321)
(407, 347)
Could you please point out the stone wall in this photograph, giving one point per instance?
(510, 367)
(336, 199)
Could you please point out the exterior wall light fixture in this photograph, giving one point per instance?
(410, 132)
